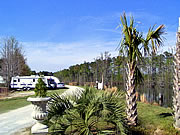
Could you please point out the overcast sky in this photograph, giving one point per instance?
(56, 34)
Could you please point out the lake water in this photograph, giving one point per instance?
(159, 95)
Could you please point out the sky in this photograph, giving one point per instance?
(56, 34)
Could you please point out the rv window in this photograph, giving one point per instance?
(18, 80)
(14, 80)
(33, 80)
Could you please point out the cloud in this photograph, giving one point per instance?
(55, 56)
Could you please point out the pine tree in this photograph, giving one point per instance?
(40, 88)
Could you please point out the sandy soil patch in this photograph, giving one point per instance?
(18, 94)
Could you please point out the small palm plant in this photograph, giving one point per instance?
(95, 112)
(40, 88)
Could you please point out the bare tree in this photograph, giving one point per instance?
(13, 61)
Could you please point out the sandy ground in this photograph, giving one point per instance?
(18, 94)
(16, 121)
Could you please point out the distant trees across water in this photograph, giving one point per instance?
(157, 71)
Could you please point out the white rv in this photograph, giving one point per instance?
(29, 82)
(56, 80)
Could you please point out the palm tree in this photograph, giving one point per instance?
(95, 112)
(131, 46)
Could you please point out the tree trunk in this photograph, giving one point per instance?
(176, 97)
(102, 82)
(131, 95)
(153, 79)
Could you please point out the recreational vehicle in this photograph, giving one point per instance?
(29, 82)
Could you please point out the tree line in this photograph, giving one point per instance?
(157, 71)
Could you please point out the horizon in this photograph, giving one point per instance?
(59, 34)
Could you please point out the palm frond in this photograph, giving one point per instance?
(138, 76)
(155, 36)
(58, 105)
(83, 115)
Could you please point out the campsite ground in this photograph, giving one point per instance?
(19, 99)
(153, 119)
(17, 120)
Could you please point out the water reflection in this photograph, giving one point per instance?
(159, 95)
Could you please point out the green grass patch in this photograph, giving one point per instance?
(17, 102)
(153, 118)
(59, 91)
(13, 103)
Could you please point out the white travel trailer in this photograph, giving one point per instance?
(29, 82)
(56, 80)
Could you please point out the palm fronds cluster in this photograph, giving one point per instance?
(95, 112)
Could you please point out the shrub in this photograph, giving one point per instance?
(40, 88)
(95, 112)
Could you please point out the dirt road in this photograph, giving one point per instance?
(15, 120)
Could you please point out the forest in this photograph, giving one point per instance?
(156, 82)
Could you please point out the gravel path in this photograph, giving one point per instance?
(15, 120)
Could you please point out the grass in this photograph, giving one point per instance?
(154, 119)
(151, 118)
(17, 102)
(13, 103)
(59, 91)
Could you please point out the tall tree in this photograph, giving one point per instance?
(132, 45)
(176, 87)
(13, 61)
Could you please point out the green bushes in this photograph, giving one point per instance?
(95, 112)
(40, 88)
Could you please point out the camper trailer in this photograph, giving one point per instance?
(29, 82)
(56, 80)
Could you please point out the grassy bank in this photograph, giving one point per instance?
(17, 102)
(13, 103)
(154, 120)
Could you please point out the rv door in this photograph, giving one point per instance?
(14, 83)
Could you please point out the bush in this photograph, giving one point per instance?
(40, 88)
(95, 112)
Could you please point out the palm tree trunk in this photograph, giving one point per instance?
(131, 95)
(176, 97)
